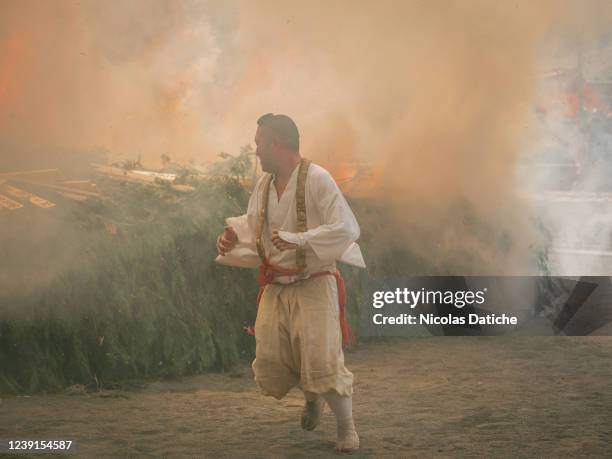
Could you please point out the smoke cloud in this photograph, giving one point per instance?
(437, 94)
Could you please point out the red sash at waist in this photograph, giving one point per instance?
(267, 272)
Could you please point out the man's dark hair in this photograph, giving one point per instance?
(284, 127)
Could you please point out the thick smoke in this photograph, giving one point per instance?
(438, 94)
(125, 77)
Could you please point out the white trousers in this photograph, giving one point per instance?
(298, 339)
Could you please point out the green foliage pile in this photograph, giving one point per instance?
(145, 300)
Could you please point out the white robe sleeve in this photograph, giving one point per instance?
(244, 254)
(333, 238)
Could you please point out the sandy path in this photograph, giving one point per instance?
(444, 397)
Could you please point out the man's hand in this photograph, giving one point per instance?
(226, 241)
(280, 244)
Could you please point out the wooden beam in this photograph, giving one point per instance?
(129, 176)
(84, 185)
(26, 195)
(41, 175)
(60, 188)
(8, 203)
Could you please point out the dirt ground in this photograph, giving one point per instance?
(422, 397)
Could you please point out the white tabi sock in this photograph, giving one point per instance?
(343, 409)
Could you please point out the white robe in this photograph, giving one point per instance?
(331, 235)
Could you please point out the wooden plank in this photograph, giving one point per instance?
(8, 203)
(73, 196)
(123, 174)
(32, 198)
(84, 185)
(60, 188)
(183, 188)
(159, 175)
(129, 176)
(42, 175)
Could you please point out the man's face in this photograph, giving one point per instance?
(266, 149)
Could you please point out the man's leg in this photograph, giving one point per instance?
(274, 368)
(316, 328)
(342, 406)
(313, 410)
